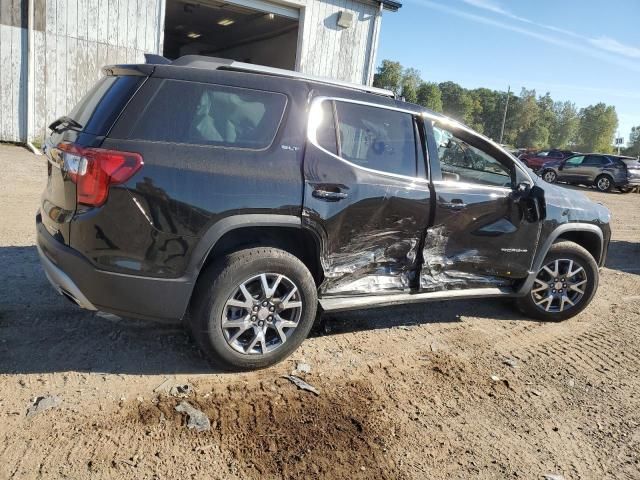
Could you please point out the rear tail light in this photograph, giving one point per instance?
(94, 170)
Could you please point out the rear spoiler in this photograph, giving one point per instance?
(140, 69)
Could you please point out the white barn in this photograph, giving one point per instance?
(51, 51)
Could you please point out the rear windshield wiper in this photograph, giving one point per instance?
(65, 123)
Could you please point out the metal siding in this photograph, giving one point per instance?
(73, 40)
(331, 51)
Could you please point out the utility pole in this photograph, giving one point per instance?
(504, 117)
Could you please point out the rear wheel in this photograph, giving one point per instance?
(253, 308)
(549, 176)
(564, 286)
(603, 183)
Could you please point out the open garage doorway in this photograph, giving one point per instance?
(252, 31)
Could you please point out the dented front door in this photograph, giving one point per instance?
(480, 236)
(363, 196)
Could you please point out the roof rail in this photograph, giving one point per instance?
(199, 61)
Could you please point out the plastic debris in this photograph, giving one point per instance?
(495, 378)
(553, 476)
(301, 384)
(510, 361)
(197, 419)
(303, 367)
(40, 404)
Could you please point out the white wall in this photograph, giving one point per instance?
(330, 51)
(73, 39)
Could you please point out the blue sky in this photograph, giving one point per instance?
(586, 51)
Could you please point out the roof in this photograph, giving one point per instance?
(391, 5)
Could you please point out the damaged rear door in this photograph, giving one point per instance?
(363, 195)
(482, 234)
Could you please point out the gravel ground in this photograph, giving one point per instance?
(464, 389)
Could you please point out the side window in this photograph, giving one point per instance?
(575, 161)
(461, 161)
(595, 161)
(326, 132)
(207, 114)
(377, 138)
(555, 155)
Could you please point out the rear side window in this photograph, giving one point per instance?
(99, 108)
(595, 160)
(377, 138)
(206, 114)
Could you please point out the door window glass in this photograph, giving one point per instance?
(377, 138)
(594, 161)
(464, 162)
(575, 161)
(206, 114)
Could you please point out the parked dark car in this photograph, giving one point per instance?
(602, 171)
(238, 198)
(536, 160)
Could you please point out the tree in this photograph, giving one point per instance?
(597, 127)
(456, 102)
(389, 76)
(429, 96)
(529, 131)
(565, 125)
(633, 147)
(410, 83)
(487, 111)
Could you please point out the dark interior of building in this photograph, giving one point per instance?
(226, 30)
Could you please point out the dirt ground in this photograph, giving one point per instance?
(416, 392)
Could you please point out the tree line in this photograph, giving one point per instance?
(533, 121)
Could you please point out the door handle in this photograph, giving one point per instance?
(455, 204)
(328, 195)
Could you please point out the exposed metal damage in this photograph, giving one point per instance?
(439, 271)
(373, 263)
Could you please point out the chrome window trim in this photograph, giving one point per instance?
(312, 137)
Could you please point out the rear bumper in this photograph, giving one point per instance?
(93, 289)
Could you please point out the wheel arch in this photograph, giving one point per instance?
(250, 230)
(587, 235)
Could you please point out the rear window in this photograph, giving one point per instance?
(206, 114)
(99, 108)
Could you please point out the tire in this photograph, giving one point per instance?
(274, 315)
(549, 176)
(567, 254)
(603, 183)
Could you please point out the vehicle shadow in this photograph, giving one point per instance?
(41, 332)
(624, 256)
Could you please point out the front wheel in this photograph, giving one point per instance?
(253, 308)
(564, 286)
(549, 176)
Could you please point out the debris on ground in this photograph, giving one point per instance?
(181, 391)
(404, 327)
(553, 476)
(510, 361)
(40, 404)
(495, 378)
(301, 384)
(165, 386)
(536, 392)
(197, 419)
(303, 367)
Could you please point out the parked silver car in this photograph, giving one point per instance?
(602, 171)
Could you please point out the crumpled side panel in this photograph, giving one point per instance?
(377, 262)
(442, 272)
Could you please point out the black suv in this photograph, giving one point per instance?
(239, 198)
(597, 169)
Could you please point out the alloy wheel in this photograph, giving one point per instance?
(261, 314)
(603, 184)
(549, 176)
(559, 285)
